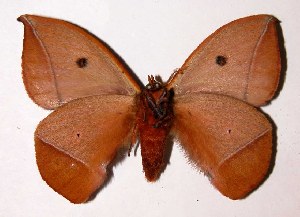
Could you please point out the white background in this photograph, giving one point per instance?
(153, 37)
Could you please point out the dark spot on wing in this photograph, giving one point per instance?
(221, 60)
(82, 62)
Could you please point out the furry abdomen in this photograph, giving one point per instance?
(153, 131)
(152, 142)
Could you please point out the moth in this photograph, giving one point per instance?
(209, 105)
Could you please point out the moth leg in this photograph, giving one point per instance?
(165, 117)
(164, 97)
(159, 108)
(133, 138)
(164, 122)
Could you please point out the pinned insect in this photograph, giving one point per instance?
(207, 105)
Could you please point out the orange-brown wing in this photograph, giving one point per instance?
(241, 59)
(227, 139)
(62, 61)
(76, 142)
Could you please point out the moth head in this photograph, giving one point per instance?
(153, 84)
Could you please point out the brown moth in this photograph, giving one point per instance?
(207, 105)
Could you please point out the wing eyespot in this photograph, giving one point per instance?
(221, 60)
(82, 62)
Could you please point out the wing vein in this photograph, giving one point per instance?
(242, 147)
(64, 152)
(48, 59)
(253, 57)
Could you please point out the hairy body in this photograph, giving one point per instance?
(154, 120)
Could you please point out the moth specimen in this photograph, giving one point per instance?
(208, 105)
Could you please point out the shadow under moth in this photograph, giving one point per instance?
(208, 106)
